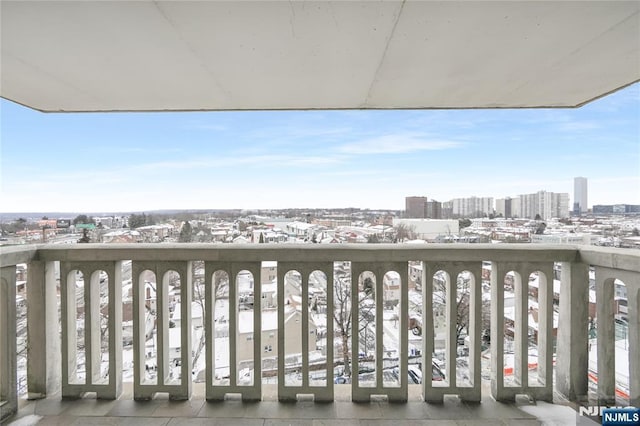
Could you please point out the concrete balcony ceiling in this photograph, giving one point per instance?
(269, 55)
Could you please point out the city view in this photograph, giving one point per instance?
(539, 218)
(312, 213)
(359, 335)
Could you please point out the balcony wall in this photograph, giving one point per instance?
(52, 355)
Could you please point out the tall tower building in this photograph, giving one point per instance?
(434, 209)
(504, 207)
(415, 207)
(580, 195)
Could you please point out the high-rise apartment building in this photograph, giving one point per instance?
(543, 203)
(472, 206)
(504, 207)
(434, 209)
(415, 207)
(580, 195)
(447, 210)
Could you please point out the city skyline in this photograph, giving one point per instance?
(114, 162)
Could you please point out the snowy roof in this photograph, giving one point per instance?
(510, 313)
(174, 337)
(269, 321)
(300, 225)
(152, 286)
(245, 282)
(535, 282)
(196, 311)
(270, 288)
(161, 226)
(120, 232)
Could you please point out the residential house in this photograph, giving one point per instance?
(269, 334)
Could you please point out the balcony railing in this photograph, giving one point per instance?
(53, 349)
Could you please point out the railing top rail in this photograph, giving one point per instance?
(290, 252)
(12, 255)
(625, 259)
(614, 258)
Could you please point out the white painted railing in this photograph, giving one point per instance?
(53, 361)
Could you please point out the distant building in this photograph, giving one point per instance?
(447, 210)
(580, 195)
(563, 238)
(434, 209)
(504, 207)
(299, 229)
(269, 335)
(543, 203)
(415, 207)
(472, 206)
(616, 209)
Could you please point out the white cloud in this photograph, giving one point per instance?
(265, 160)
(397, 144)
(578, 126)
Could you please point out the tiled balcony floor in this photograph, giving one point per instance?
(269, 412)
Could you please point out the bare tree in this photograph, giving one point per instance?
(342, 313)
(463, 290)
(404, 232)
(220, 283)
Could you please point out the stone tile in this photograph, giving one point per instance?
(170, 408)
(164, 412)
(450, 409)
(530, 422)
(271, 410)
(131, 408)
(409, 410)
(551, 414)
(492, 409)
(90, 407)
(95, 421)
(144, 421)
(291, 410)
(238, 422)
(215, 422)
(52, 407)
(352, 410)
(335, 422)
(23, 419)
(288, 422)
(56, 421)
(224, 409)
(198, 391)
(481, 422)
(26, 413)
(190, 422)
(310, 410)
(414, 422)
(26, 407)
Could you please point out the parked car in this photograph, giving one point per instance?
(414, 373)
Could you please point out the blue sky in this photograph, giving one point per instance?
(369, 159)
